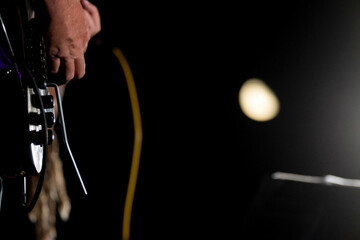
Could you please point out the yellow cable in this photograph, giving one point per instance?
(137, 143)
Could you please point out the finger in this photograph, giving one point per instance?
(68, 67)
(89, 22)
(79, 67)
(88, 17)
(89, 7)
(93, 16)
(54, 65)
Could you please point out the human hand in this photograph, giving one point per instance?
(92, 17)
(67, 37)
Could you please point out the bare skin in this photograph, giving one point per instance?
(92, 17)
(67, 37)
(71, 25)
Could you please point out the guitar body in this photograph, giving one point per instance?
(28, 108)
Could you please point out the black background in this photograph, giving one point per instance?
(203, 160)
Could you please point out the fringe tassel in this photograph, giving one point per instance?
(53, 197)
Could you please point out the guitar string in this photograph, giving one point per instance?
(1, 191)
(6, 35)
(1, 179)
(138, 136)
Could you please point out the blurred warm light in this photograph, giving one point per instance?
(258, 101)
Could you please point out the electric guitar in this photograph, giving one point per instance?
(27, 102)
